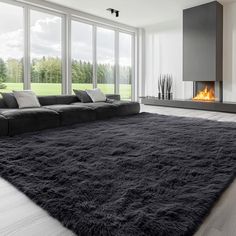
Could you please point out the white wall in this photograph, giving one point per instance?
(164, 44)
(229, 74)
(164, 56)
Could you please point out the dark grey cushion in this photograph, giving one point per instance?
(103, 110)
(106, 110)
(59, 99)
(3, 126)
(70, 114)
(113, 96)
(127, 108)
(10, 100)
(2, 103)
(31, 119)
(82, 96)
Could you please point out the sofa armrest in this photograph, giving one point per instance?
(113, 96)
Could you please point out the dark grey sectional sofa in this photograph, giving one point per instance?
(59, 111)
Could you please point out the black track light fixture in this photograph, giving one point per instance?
(114, 11)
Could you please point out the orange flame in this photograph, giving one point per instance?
(205, 95)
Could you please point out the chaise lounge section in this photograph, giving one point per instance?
(56, 111)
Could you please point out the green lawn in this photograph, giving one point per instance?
(44, 89)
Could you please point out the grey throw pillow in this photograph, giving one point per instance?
(96, 95)
(26, 99)
(10, 100)
(82, 96)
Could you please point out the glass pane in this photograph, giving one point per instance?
(46, 69)
(105, 60)
(125, 65)
(11, 48)
(82, 55)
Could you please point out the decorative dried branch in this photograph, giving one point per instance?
(169, 82)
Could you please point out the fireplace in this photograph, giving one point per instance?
(203, 51)
(207, 91)
(202, 61)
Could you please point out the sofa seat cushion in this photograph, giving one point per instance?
(117, 108)
(31, 119)
(127, 108)
(3, 126)
(70, 114)
(103, 110)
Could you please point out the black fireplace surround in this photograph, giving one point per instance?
(203, 48)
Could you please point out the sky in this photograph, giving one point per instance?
(45, 37)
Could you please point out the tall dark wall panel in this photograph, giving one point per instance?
(203, 42)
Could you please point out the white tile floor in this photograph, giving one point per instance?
(219, 116)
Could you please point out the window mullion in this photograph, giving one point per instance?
(66, 55)
(133, 56)
(27, 66)
(95, 64)
(64, 88)
(117, 69)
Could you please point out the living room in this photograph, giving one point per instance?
(117, 117)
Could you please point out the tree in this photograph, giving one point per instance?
(46, 70)
(15, 70)
(3, 74)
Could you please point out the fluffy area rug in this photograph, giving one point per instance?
(139, 175)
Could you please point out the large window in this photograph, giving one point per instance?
(125, 65)
(82, 55)
(11, 47)
(106, 60)
(52, 51)
(45, 42)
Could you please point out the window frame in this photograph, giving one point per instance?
(63, 46)
(117, 32)
(68, 15)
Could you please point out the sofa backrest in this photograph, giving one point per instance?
(59, 99)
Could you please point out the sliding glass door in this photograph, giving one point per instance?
(82, 55)
(11, 47)
(46, 51)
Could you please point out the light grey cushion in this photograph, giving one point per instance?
(96, 95)
(26, 99)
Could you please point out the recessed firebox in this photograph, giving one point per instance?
(209, 91)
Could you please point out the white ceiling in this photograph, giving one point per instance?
(138, 13)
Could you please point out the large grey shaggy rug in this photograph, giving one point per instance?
(140, 175)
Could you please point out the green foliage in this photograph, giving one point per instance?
(15, 71)
(48, 70)
(82, 72)
(3, 74)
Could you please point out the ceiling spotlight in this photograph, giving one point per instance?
(114, 11)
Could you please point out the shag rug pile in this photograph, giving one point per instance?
(139, 175)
